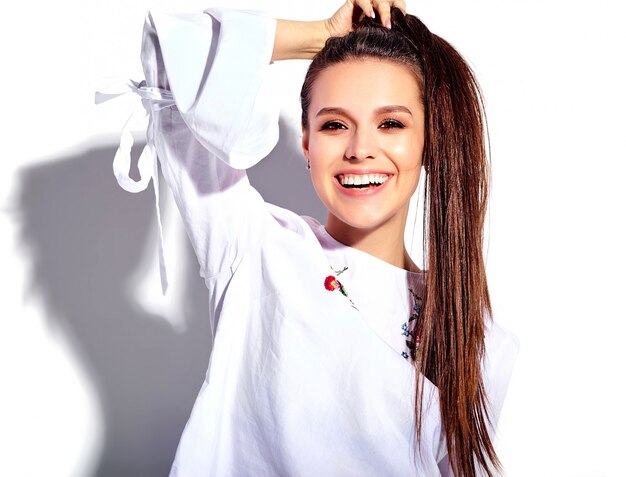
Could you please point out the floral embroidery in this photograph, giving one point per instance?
(331, 283)
(408, 328)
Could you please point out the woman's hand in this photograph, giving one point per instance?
(341, 22)
(298, 39)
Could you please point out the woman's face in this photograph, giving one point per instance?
(364, 141)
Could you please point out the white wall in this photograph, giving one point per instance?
(99, 372)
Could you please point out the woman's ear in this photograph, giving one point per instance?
(305, 143)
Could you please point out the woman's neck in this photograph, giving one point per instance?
(385, 241)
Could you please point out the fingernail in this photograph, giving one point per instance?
(373, 14)
(388, 23)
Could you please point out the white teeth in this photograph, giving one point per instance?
(363, 179)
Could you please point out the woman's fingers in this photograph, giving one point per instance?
(383, 7)
(366, 6)
(341, 22)
(401, 4)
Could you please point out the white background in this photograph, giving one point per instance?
(99, 372)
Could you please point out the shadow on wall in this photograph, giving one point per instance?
(85, 236)
(283, 179)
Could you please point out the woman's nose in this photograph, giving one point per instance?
(361, 146)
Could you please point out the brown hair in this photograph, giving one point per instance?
(450, 338)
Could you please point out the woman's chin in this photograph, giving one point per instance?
(360, 221)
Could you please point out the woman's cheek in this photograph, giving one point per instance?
(327, 148)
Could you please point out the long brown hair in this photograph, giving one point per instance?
(450, 338)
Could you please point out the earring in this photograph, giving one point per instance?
(308, 164)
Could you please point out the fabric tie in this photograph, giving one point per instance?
(152, 99)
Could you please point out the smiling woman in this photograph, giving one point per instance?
(376, 129)
(364, 141)
(334, 355)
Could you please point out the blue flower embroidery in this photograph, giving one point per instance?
(408, 328)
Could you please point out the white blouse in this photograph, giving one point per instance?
(310, 373)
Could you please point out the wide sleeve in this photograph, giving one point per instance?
(215, 65)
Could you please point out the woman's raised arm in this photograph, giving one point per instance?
(214, 65)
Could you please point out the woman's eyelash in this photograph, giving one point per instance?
(386, 124)
(332, 125)
(391, 123)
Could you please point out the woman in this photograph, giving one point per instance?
(333, 353)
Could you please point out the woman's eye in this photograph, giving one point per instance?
(332, 125)
(391, 123)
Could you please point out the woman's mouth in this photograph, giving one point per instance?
(361, 181)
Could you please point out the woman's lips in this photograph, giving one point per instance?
(362, 184)
(362, 180)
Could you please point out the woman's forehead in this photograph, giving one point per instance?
(365, 83)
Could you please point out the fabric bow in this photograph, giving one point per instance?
(152, 99)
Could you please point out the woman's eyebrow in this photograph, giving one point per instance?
(332, 110)
(394, 108)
